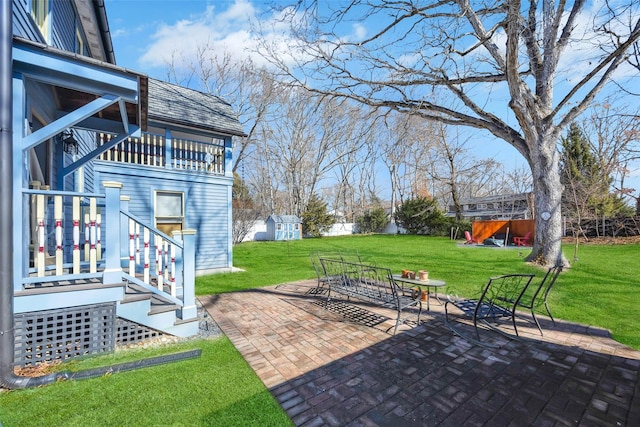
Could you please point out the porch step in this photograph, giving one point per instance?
(66, 286)
(135, 292)
(143, 306)
(134, 302)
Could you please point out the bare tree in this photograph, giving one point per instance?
(248, 88)
(454, 168)
(307, 137)
(614, 136)
(354, 156)
(416, 57)
(519, 180)
(404, 142)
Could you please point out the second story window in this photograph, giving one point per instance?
(40, 14)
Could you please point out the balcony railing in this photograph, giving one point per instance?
(155, 151)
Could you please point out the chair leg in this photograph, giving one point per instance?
(549, 312)
(475, 325)
(513, 320)
(397, 321)
(535, 319)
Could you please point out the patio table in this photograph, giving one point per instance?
(422, 284)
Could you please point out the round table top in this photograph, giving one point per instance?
(418, 282)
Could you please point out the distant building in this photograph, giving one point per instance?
(505, 206)
(284, 227)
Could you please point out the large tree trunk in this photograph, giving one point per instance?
(547, 249)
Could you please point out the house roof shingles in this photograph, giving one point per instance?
(188, 107)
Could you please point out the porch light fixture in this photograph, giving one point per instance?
(69, 143)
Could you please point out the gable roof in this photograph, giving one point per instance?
(284, 219)
(174, 104)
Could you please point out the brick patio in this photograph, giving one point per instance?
(337, 366)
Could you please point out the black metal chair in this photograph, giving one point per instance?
(541, 294)
(499, 299)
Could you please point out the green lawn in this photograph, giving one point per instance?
(220, 389)
(217, 389)
(600, 289)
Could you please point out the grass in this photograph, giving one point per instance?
(600, 289)
(220, 389)
(217, 389)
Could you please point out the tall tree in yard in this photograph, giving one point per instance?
(498, 61)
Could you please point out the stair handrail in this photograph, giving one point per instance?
(168, 272)
(151, 227)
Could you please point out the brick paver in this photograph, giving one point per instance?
(327, 367)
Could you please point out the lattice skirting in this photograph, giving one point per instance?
(61, 334)
(128, 332)
(45, 336)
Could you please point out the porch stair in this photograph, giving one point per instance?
(134, 303)
(154, 311)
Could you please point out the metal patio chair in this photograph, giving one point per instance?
(499, 299)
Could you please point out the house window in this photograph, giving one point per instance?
(279, 227)
(40, 14)
(169, 211)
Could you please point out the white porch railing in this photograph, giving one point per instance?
(65, 235)
(68, 237)
(176, 153)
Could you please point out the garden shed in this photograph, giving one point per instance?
(284, 227)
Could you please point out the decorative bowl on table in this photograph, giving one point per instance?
(423, 275)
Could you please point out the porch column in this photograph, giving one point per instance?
(19, 181)
(168, 147)
(228, 171)
(228, 157)
(112, 267)
(189, 309)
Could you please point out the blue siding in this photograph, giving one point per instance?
(23, 25)
(62, 21)
(64, 25)
(206, 198)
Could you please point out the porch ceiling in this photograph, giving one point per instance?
(78, 80)
(69, 100)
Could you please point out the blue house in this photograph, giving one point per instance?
(117, 194)
(284, 227)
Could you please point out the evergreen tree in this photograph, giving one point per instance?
(420, 215)
(315, 218)
(586, 187)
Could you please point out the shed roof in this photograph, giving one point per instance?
(188, 107)
(284, 219)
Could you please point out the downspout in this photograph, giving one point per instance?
(8, 379)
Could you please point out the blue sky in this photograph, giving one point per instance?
(146, 32)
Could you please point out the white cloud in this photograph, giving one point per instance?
(359, 32)
(220, 31)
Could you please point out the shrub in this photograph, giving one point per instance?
(421, 216)
(374, 220)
